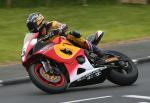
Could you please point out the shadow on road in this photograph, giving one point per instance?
(101, 87)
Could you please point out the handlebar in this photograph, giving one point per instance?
(51, 34)
(46, 37)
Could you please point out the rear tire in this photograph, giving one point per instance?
(44, 84)
(118, 76)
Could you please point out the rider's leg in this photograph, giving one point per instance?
(77, 39)
(98, 51)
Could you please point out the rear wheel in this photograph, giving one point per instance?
(124, 71)
(53, 83)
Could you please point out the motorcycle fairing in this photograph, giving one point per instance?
(64, 46)
(55, 51)
(29, 42)
(69, 60)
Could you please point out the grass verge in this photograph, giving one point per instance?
(120, 22)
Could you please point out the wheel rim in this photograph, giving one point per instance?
(124, 69)
(54, 80)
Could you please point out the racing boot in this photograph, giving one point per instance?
(101, 58)
(96, 37)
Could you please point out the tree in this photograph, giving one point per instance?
(8, 3)
(84, 2)
(47, 2)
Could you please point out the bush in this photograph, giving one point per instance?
(36, 3)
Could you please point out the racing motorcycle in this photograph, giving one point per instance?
(55, 66)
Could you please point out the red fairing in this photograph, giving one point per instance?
(49, 51)
(71, 64)
(58, 40)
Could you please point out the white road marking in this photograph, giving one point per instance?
(88, 99)
(134, 60)
(27, 76)
(137, 96)
(143, 102)
(1, 83)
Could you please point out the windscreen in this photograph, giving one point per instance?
(28, 37)
(29, 41)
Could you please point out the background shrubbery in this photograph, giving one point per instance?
(37, 3)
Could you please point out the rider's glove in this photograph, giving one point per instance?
(56, 31)
(64, 28)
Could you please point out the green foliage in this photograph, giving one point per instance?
(102, 2)
(37, 3)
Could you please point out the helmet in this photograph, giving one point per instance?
(35, 22)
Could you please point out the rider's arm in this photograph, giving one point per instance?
(57, 25)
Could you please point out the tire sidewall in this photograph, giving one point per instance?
(122, 79)
(43, 86)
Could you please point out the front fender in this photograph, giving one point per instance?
(32, 59)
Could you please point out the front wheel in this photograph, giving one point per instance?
(48, 83)
(124, 71)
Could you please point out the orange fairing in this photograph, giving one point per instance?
(66, 45)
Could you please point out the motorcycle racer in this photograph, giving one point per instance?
(54, 62)
(36, 23)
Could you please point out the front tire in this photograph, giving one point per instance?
(37, 76)
(123, 76)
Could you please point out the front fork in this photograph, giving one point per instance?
(47, 67)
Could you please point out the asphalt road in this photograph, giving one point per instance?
(135, 49)
(101, 93)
